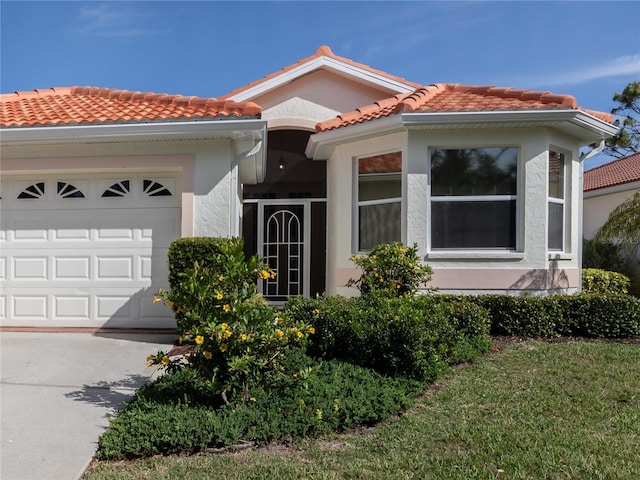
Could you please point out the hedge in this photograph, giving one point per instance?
(587, 315)
(417, 337)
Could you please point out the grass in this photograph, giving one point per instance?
(535, 410)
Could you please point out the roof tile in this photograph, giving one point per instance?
(323, 51)
(94, 106)
(453, 97)
(618, 172)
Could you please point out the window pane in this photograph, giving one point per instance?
(556, 174)
(474, 171)
(379, 188)
(379, 224)
(379, 177)
(473, 224)
(556, 227)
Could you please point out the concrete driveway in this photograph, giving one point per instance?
(57, 393)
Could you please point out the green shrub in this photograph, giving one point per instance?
(330, 396)
(612, 316)
(521, 316)
(392, 269)
(607, 316)
(603, 255)
(417, 337)
(184, 253)
(238, 340)
(604, 282)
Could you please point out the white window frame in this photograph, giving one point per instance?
(559, 201)
(456, 252)
(355, 234)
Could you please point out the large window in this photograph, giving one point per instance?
(556, 201)
(379, 200)
(473, 198)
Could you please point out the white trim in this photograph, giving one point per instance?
(332, 65)
(366, 203)
(284, 201)
(498, 254)
(585, 127)
(254, 128)
(566, 188)
(613, 189)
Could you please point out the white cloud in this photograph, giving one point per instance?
(622, 66)
(109, 20)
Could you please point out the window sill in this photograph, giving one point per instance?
(560, 256)
(475, 255)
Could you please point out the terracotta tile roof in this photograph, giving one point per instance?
(618, 172)
(453, 97)
(323, 51)
(97, 106)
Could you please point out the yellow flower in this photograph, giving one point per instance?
(199, 339)
(273, 275)
(169, 303)
(223, 347)
(221, 278)
(264, 274)
(280, 320)
(226, 334)
(243, 337)
(151, 361)
(316, 312)
(299, 334)
(311, 330)
(207, 355)
(226, 308)
(253, 399)
(165, 360)
(157, 299)
(224, 326)
(319, 414)
(219, 296)
(279, 333)
(180, 339)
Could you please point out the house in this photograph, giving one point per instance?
(310, 164)
(606, 187)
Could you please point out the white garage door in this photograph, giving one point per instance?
(86, 249)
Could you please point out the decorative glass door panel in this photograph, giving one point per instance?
(285, 239)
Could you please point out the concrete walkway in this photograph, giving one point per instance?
(57, 392)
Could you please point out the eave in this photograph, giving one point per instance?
(352, 72)
(586, 128)
(124, 133)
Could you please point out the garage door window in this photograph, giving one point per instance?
(155, 189)
(66, 190)
(118, 189)
(32, 191)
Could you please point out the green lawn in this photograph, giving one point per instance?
(534, 410)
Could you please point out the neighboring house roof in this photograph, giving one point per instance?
(331, 60)
(99, 106)
(453, 97)
(618, 172)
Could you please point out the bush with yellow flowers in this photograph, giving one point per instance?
(237, 340)
(391, 269)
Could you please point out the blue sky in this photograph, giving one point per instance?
(208, 48)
